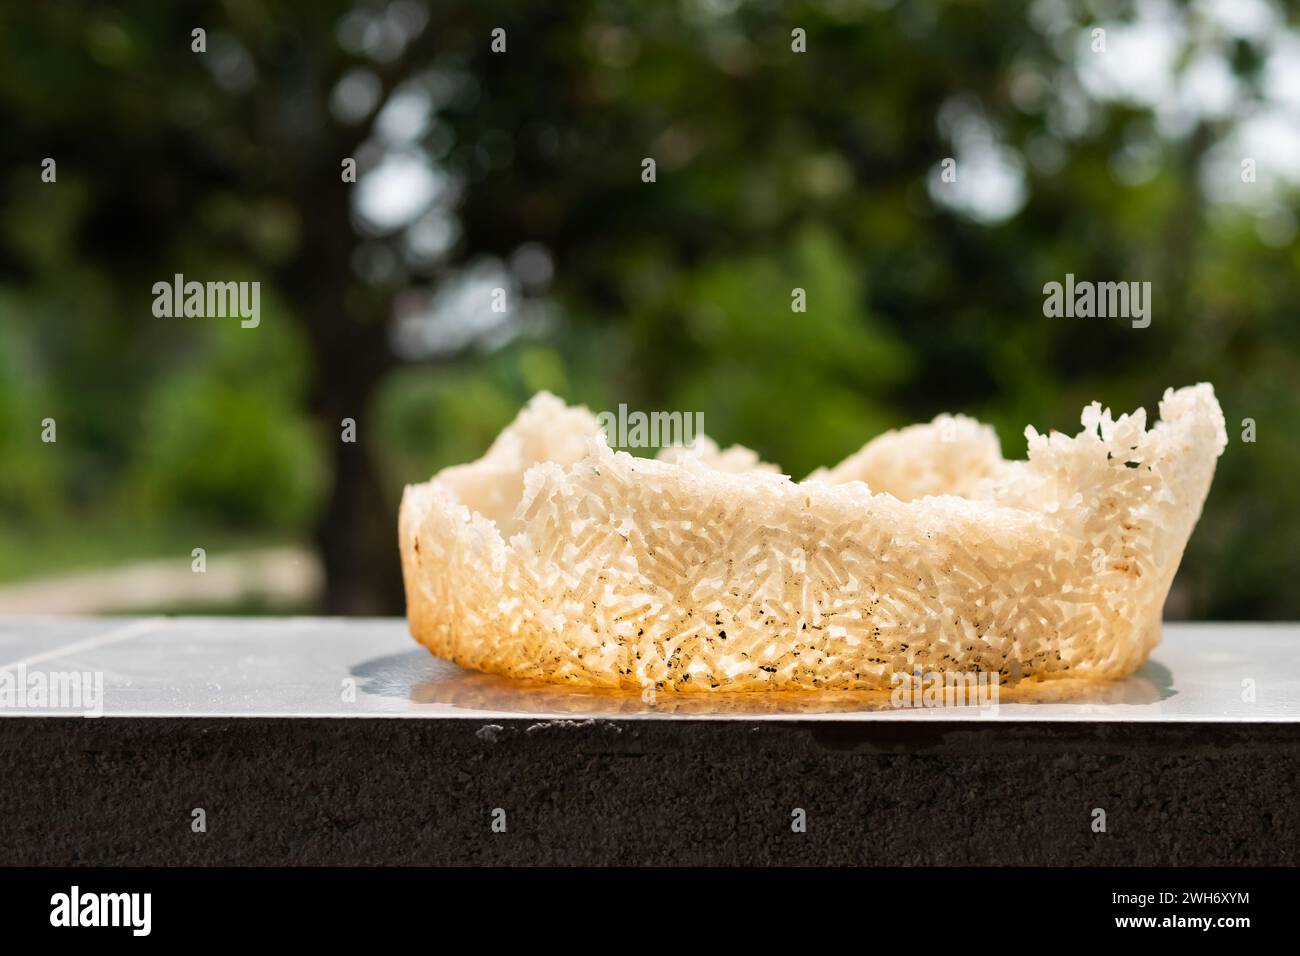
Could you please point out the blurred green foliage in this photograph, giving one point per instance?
(775, 170)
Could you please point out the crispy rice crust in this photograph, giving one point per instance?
(553, 558)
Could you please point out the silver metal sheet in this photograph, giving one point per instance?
(336, 667)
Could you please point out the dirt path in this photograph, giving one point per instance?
(274, 576)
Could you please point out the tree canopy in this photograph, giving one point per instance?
(796, 146)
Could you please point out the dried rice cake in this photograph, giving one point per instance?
(554, 558)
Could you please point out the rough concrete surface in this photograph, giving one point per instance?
(326, 791)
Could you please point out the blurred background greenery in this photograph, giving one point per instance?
(1113, 160)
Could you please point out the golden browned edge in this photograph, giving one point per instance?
(426, 624)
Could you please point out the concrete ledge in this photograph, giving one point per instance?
(334, 742)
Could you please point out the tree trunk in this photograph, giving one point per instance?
(357, 530)
(356, 533)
